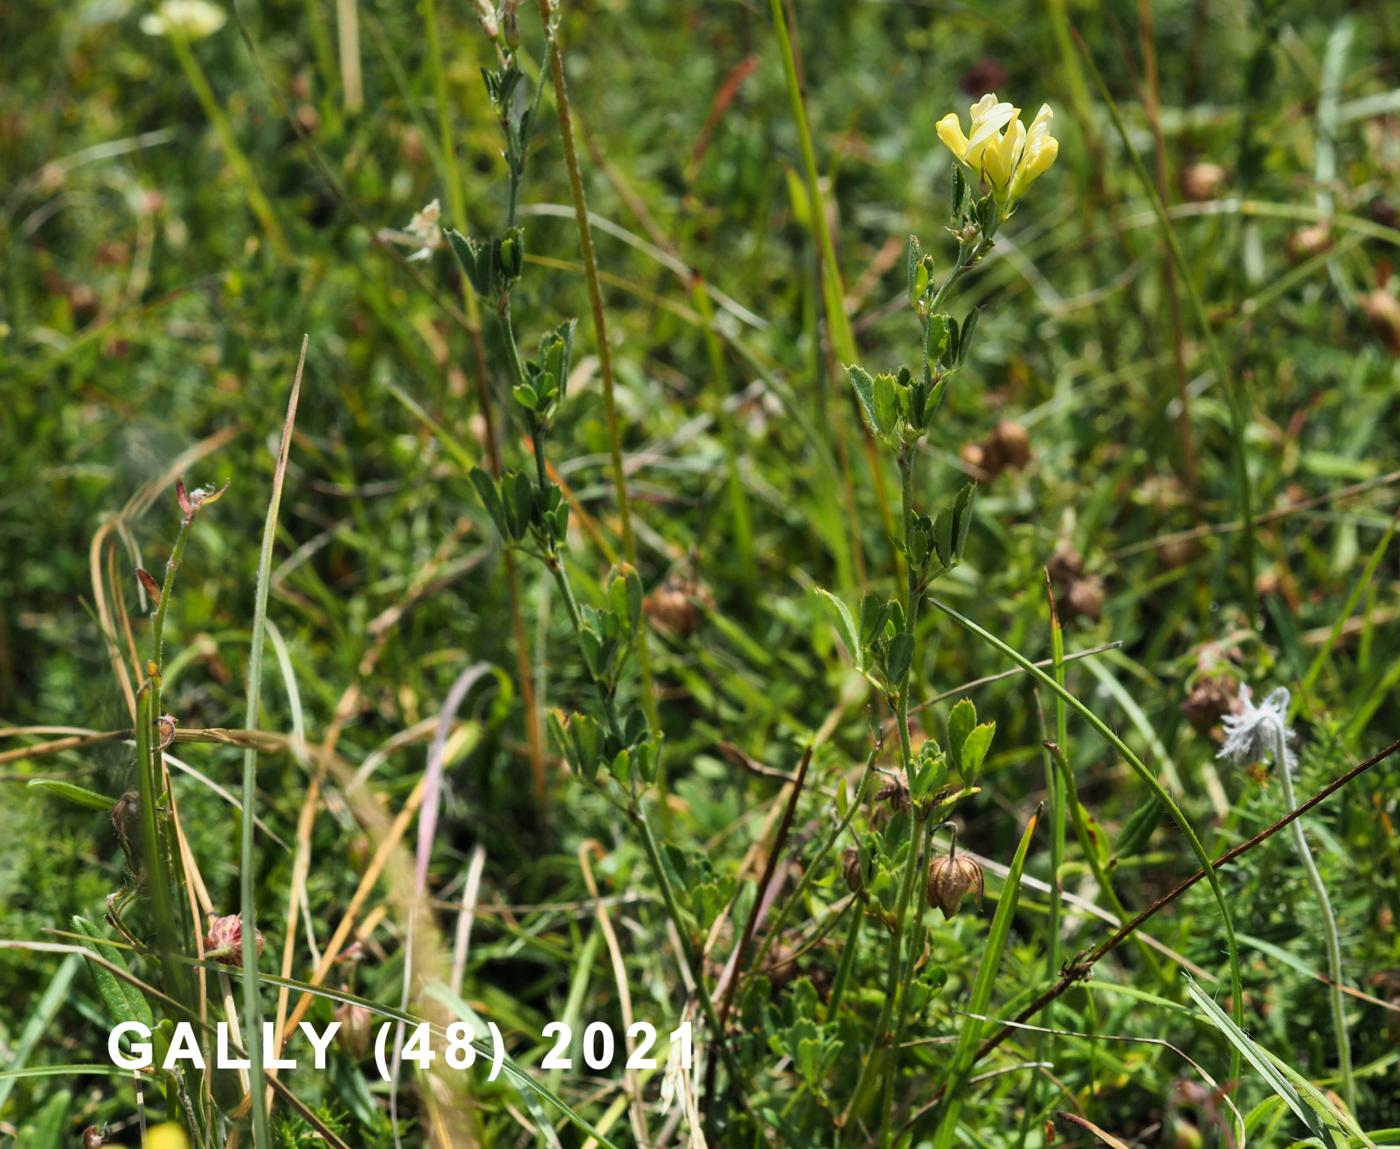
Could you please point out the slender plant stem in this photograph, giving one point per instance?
(688, 947)
(600, 332)
(162, 876)
(810, 871)
(769, 869)
(833, 293)
(1329, 921)
(258, 202)
(911, 863)
(906, 980)
(848, 959)
(252, 998)
(1236, 397)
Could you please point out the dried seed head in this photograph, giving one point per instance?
(852, 870)
(1383, 310)
(1079, 594)
(1311, 240)
(895, 791)
(1201, 181)
(678, 605)
(224, 941)
(951, 878)
(1213, 697)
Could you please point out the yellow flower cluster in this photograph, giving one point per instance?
(1001, 149)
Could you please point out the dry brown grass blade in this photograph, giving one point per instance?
(624, 994)
(103, 583)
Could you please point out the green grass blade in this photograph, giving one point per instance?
(1149, 779)
(982, 990)
(252, 1001)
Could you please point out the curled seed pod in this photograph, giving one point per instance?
(895, 791)
(852, 870)
(950, 879)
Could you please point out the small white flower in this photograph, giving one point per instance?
(1258, 732)
(192, 19)
(425, 229)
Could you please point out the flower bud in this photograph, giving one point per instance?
(356, 1028)
(224, 941)
(951, 878)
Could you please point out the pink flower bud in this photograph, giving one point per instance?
(224, 941)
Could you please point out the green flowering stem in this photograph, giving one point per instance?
(162, 875)
(894, 950)
(258, 202)
(1329, 921)
(549, 15)
(906, 982)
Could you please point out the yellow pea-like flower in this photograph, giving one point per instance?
(1001, 149)
(1039, 153)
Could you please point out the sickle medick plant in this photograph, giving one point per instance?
(1252, 735)
(901, 409)
(612, 745)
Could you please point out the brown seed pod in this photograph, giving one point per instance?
(851, 870)
(678, 605)
(1202, 180)
(1212, 697)
(93, 1138)
(951, 878)
(1383, 310)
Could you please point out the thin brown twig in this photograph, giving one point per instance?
(1083, 965)
(1210, 529)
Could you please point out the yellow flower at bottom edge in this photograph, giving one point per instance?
(166, 1137)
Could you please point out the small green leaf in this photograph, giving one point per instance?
(1139, 828)
(491, 499)
(78, 795)
(962, 510)
(901, 657)
(968, 327)
(974, 750)
(845, 626)
(864, 387)
(123, 1001)
(886, 399)
(961, 719)
(587, 736)
(519, 499)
